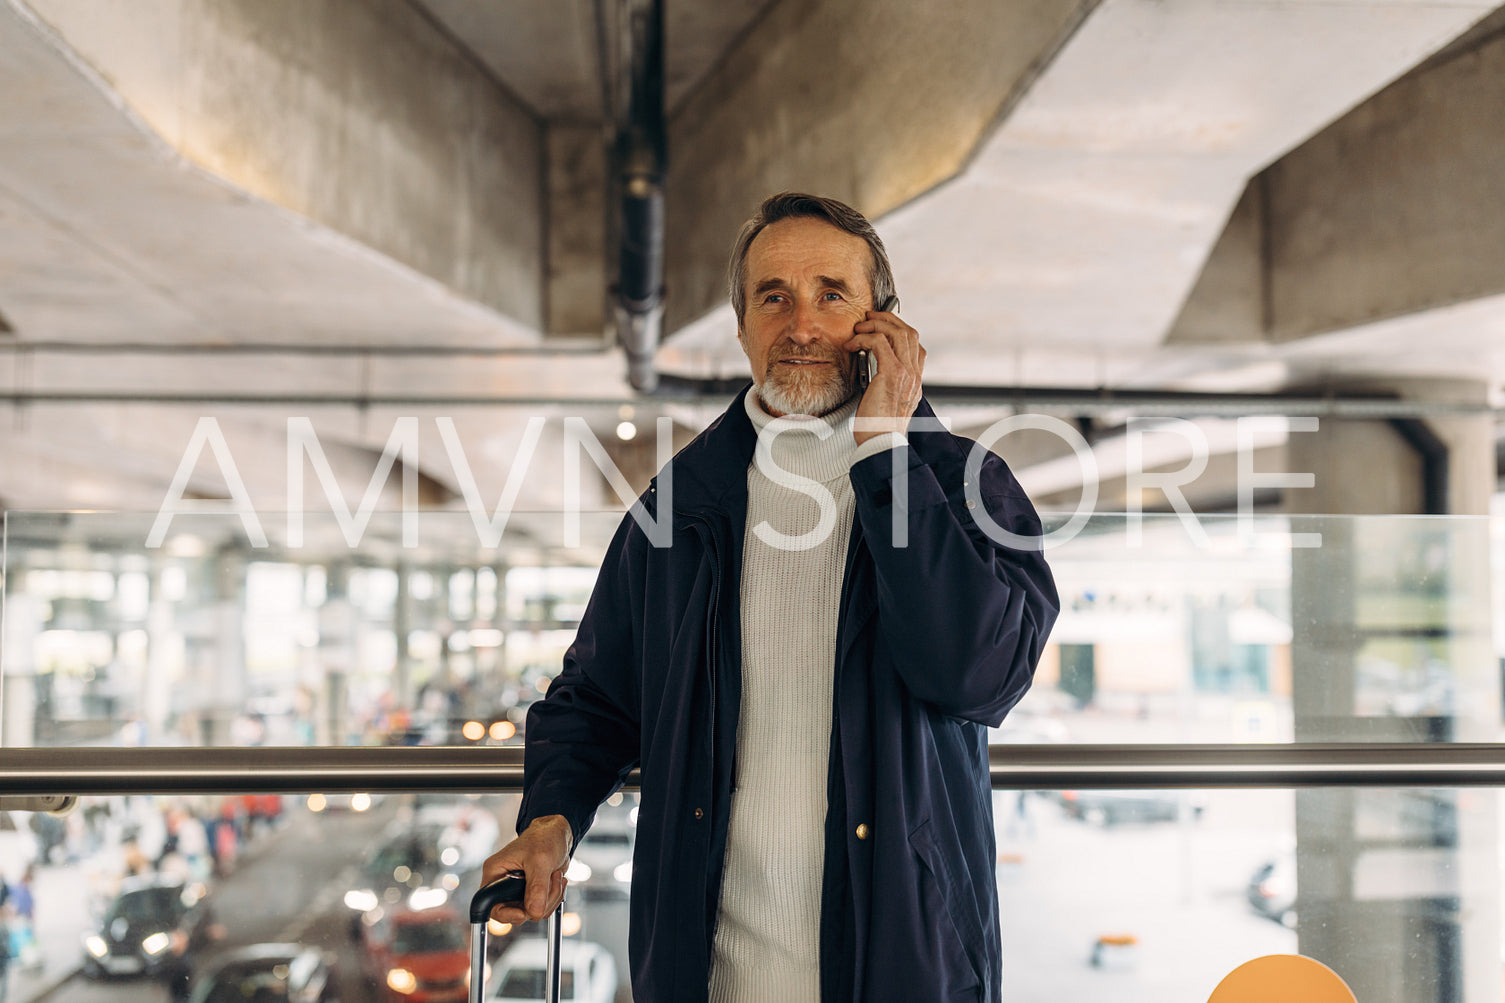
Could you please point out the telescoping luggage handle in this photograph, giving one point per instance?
(508, 890)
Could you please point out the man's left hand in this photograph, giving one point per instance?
(894, 394)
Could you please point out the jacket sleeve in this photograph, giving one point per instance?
(582, 737)
(964, 615)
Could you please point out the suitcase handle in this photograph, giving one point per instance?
(507, 889)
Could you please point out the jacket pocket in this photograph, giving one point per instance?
(957, 928)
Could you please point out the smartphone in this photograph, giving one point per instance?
(867, 365)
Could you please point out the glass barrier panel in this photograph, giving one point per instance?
(1271, 629)
(117, 634)
(411, 629)
(1158, 895)
(1130, 896)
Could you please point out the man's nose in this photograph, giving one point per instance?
(803, 327)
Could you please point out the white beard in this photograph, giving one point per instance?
(802, 395)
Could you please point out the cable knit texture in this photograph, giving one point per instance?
(794, 554)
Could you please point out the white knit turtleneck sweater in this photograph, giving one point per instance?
(767, 946)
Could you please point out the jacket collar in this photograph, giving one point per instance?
(712, 470)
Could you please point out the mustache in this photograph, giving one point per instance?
(815, 350)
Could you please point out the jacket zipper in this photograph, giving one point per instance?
(713, 647)
(843, 624)
(715, 643)
(712, 660)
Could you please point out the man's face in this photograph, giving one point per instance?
(807, 284)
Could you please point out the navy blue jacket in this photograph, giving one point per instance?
(936, 641)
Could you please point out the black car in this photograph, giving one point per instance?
(1272, 889)
(269, 973)
(151, 927)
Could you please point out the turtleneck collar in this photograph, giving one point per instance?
(797, 446)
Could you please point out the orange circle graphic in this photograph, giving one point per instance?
(1277, 978)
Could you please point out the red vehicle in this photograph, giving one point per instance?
(418, 957)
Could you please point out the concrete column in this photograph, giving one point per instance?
(402, 626)
(162, 669)
(337, 654)
(468, 663)
(18, 693)
(308, 702)
(1398, 889)
(498, 667)
(441, 622)
(222, 661)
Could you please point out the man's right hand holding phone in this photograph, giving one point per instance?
(893, 393)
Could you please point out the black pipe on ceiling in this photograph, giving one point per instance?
(641, 157)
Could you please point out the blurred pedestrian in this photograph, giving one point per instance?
(25, 950)
(51, 833)
(1021, 822)
(4, 957)
(193, 844)
(226, 841)
(134, 860)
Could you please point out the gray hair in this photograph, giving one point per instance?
(796, 205)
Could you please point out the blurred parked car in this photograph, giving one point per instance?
(269, 973)
(465, 825)
(415, 866)
(152, 927)
(601, 867)
(421, 957)
(341, 801)
(1112, 807)
(1272, 889)
(587, 973)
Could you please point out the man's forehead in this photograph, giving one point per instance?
(806, 245)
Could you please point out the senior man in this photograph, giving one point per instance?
(806, 673)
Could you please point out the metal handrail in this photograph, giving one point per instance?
(93, 771)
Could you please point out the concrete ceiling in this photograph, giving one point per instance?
(1064, 251)
(555, 54)
(1059, 251)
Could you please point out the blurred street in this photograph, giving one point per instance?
(287, 885)
(1166, 898)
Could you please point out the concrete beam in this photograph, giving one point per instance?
(1228, 305)
(575, 290)
(364, 117)
(1391, 211)
(873, 103)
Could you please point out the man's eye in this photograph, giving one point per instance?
(774, 298)
(832, 296)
